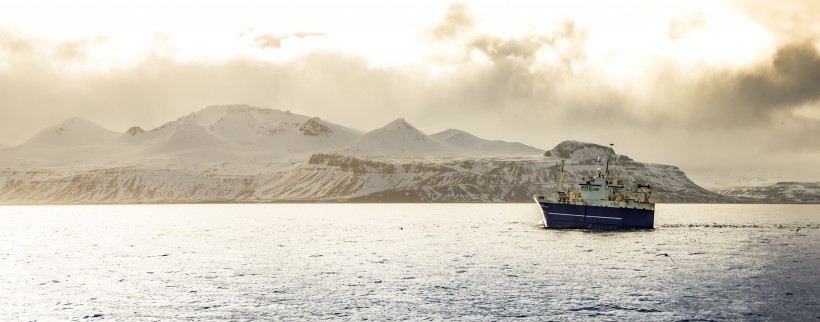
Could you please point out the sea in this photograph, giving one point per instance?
(474, 262)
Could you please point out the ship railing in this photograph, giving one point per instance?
(564, 200)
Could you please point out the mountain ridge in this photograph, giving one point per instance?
(780, 192)
(240, 153)
(472, 143)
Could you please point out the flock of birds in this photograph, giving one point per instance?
(716, 225)
(795, 228)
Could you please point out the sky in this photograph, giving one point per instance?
(726, 90)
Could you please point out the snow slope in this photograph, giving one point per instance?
(397, 138)
(191, 136)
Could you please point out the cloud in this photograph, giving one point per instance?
(566, 43)
(266, 41)
(538, 88)
(513, 76)
(77, 50)
(13, 43)
(498, 48)
(682, 26)
(332, 85)
(456, 21)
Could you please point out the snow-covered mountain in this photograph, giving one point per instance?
(244, 137)
(471, 143)
(239, 153)
(781, 192)
(584, 152)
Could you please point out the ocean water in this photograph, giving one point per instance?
(404, 262)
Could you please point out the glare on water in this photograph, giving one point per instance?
(404, 261)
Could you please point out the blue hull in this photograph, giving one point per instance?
(559, 215)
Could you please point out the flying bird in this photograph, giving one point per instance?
(667, 255)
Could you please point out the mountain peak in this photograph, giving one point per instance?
(400, 126)
(397, 137)
(239, 108)
(448, 134)
(400, 123)
(72, 131)
(229, 108)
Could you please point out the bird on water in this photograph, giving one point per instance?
(667, 255)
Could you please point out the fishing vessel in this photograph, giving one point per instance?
(600, 202)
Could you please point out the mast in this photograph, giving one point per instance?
(606, 167)
(561, 178)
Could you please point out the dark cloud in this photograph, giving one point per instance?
(567, 41)
(456, 21)
(265, 41)
(790, 21)
(790, 79)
